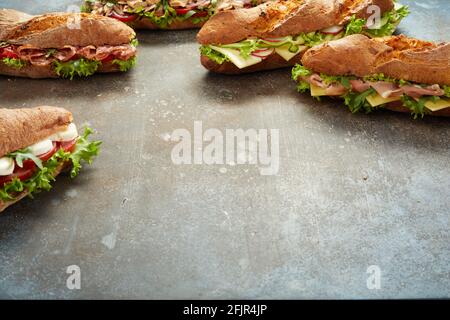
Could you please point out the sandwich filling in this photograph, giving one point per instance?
(32, 169)
(70, 61)
(163, 12)
(375, 91)
(254, 50)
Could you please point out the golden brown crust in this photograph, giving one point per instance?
(4, 205)
(144, 23)
(20, 128)
(41, 72)
(396, 56)
(274, 61)
(58, 29)
(283, 18)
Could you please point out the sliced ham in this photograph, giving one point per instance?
(26, 52)
(124, 52)
(385, 89)
(359, 85)
(66, 53)
(417, 92)
(331, 89)
(88, 52)
(391, 90)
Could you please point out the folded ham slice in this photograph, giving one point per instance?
(331, 89)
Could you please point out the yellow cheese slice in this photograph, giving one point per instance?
(438, 105)
(376, 100)
(284, 52)
(236, 57)
(317, 91)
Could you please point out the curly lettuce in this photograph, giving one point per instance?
(125, 65)
(41, 181)
(81, 68)
(388, 23)
(212, 54)
(14, 63)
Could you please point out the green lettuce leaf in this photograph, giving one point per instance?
(300, 71)
(212, 54)
(355, 26)
(14, 63)
(41, 180)
(390, 21)
(24, 154)
(417, 107)
(357, 102)
(125, 65)
(81, 68)
(446, 91)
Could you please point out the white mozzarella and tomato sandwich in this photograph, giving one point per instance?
(395, 73)
(35, 146)
(276, 34)
(64, 45)
(164, 14)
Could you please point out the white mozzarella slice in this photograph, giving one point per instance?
(67, 135)
(6, 166)
(235, 57)
(41, 147)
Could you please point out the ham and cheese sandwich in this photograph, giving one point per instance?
(276, 34)
(35, 146)
(64, 45)
(164, 14)
(395, 73)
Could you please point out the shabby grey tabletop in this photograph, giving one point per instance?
(353, 195)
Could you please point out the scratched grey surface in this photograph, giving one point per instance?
(352, 190)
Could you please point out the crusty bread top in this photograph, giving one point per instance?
(20, 128)
(282, 18)
(396, 56)
(58, 29)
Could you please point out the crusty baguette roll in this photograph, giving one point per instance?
(397, 57)
(5, 204)
(56, 30)
(20, 128)
(283, 18)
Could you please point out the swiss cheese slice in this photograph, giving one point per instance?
(438, 105)
(284, 52)
(376, 100)
(317, 91)
(235, 57)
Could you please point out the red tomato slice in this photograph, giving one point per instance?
(182, 11)
(21, 173)
(69, 146)
(123, 18)
(29, 164)
(8, 52)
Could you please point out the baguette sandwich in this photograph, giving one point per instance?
(163, 14)
(35, 146)
(396, 73)
(276, 34)
(63, 45)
